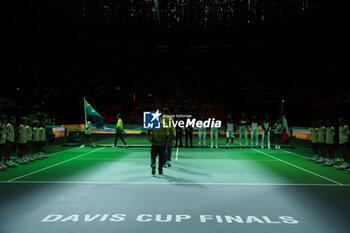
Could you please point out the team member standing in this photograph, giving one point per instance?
(29, 141)
(243, 130)
(202, 133)
(2, 140)
(159, 139)
(119, 127)
(10, 141)
(266, 128)
(344, 134)
(230, 131)
(36, 140)
(214, 134)
(179, 133)
(188, 133)
(254, 132)
(42, 137)
(330, 133)
(277, 134)
(322, 141)
(22, 140)
(314, 141)
(87, 136)
(169, 122)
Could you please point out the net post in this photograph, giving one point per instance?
(65, 136)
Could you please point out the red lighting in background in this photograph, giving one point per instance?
(186, 67)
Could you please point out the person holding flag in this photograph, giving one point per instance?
(87, 136)
(91, 115)
(119, 131)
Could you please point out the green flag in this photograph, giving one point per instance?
(90, 113)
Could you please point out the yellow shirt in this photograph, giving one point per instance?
(169, 122)
(119, 126)
(160, 136)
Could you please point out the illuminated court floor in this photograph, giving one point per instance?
(206, 190)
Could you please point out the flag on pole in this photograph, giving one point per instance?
(285, 131)
(91, 113)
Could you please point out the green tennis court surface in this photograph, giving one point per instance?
(223, 190)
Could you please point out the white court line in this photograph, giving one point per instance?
(59, 151)
(299, 155)
(73, 149)
(177, 153)
(113, 141)
(172, 183)
(62, 151)
(49, 155)
(213, 160)
(305, 170)
(54, 165)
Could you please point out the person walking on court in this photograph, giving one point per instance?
(169, 121)
(119, 128)
(159, 138)
(188, 133)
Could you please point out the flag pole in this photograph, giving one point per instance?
(85, 112)
(281, 110)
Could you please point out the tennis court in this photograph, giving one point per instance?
(224, 190)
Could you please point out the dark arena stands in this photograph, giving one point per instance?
(93, 97)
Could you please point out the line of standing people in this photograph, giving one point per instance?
(323, 142)
(27, 140)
